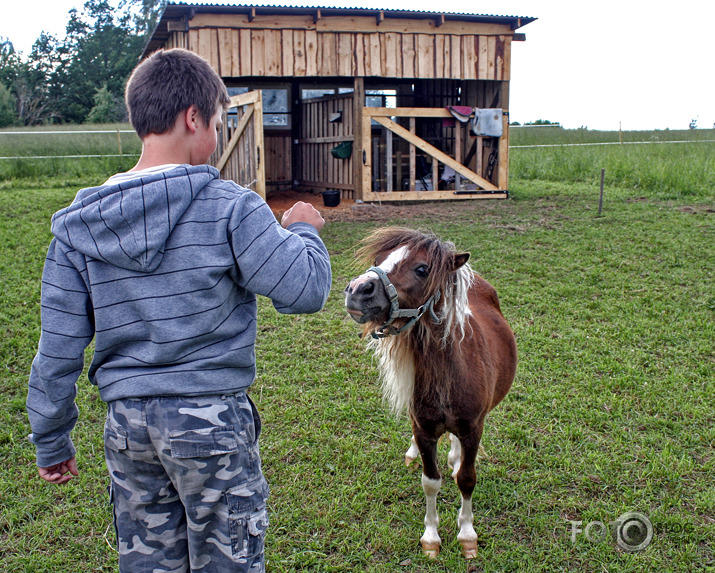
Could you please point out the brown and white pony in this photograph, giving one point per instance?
(445, 351)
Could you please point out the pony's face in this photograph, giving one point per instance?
(412, 268)
(366, 299)
(408, 269)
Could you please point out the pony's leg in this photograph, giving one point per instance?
(431, 540)
(431, 484)
(454, 459)
(466, 480)
(412, 453)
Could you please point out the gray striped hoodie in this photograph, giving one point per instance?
(163, 272)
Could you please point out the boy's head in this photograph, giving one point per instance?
(167, 83)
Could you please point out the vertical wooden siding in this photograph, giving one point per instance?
(278, 160)
(282, 53)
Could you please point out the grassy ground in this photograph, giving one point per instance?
(662, 166)
(42, 142)
(611, 411)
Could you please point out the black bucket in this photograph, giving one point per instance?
(331, 198)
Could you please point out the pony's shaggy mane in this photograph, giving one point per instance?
(395, 354)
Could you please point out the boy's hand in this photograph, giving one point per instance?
(57, 474)
(303, 213)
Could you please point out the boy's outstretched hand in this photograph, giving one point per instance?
(303, 213)
(58, 474)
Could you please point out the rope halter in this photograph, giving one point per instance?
(414, 314)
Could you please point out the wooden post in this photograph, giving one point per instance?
(388, 156)
(365, 160)
(503, 161)
(259, 147)
(413, 157)
(503, 165)
(458, 154)
(358, 126)
(600, 196)
(119, 142)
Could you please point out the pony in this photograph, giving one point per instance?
(446, 354)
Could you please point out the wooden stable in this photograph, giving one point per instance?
(356, 99)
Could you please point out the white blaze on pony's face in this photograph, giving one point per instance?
(394, 259)
(388, 265)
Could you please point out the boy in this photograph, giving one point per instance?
(161, 265)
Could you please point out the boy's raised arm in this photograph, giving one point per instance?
(291, 267)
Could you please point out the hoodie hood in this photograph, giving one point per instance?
(127, 224)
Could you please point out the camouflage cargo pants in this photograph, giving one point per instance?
(187, 485)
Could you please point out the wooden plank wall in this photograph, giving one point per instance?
(318, 169)
(301, 53)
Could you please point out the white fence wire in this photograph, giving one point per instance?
(609, 143)
(119, 131)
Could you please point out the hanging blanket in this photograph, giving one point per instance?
(485, 121)
(488, 122)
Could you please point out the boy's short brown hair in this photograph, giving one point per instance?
(167, 83)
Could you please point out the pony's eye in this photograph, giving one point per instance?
(422, 271)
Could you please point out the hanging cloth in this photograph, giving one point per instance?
(488, 122)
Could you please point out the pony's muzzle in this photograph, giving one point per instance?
(365, 300)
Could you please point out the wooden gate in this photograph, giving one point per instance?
(327, 132)
(239, 155)
(480, 172)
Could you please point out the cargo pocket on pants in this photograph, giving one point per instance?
(248, 519)
(115, 438)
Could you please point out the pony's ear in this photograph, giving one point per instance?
(460, 259)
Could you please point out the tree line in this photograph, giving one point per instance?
(79, 78)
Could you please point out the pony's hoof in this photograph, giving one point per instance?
(430, 550)
(469, 549)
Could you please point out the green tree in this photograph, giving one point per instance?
(59, 80)
(542, 122)
(8, 107)
(9, 61)
(99, 49)
(144, 14)
(106, 108)
(28, 79)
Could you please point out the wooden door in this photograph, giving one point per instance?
(327, 129)
(240, 154)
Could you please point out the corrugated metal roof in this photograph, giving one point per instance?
(176, 10)
(349, 8)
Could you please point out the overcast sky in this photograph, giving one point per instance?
(598, 65)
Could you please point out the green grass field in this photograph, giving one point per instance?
(612, 409)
